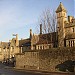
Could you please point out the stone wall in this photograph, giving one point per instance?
(28, 60)
(48, 59)
(44, 59)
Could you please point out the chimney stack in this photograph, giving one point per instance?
(17, 42)
(40, 28)
(70, 18)
(30, 33)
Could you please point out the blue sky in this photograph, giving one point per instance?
(19, 16)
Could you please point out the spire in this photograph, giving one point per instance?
(61, 8)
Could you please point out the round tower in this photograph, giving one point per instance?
(61, 18)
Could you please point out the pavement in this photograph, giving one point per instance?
(36, 71)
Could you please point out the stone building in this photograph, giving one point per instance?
(14, 46)
(45, 41)
(66, 27)
(24, 45)
(44, 60)
(37, 42)
(41, 54)
(9, 49)
(64, 37)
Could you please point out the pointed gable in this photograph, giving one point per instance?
(61, 8)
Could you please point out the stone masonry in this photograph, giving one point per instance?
(44, 59)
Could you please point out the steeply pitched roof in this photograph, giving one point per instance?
(60, 8)
(25, 42)
(47, 38)
(70, 36)
(70, 24)
(4, 44)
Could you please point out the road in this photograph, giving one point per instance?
(15, 72)
(11, 71)
(4, 70)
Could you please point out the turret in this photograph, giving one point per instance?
(70, 18)
(61, 18)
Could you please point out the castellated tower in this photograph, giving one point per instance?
(61, 18)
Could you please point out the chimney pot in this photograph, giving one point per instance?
(30, 33)
(40, 28)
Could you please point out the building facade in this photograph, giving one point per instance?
(64, 37)
(66, 27)
(9, 49)
(42, 55)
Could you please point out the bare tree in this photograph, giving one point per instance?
(48, 21)
(49, 24)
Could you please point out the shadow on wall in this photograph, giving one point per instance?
(66, 66)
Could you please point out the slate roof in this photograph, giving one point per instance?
(4, 44)
(71, 24)
(70, 36)
(60, 8)
(47, 38)
(25, 42)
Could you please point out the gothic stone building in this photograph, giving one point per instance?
(66, 27)
(64, 37)
(9, 49)
(39, 56)
(37, 42)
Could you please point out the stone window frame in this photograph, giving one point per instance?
(41, 47)
(73, 30)
(69, 43)
(38, 47)
(73, 43)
